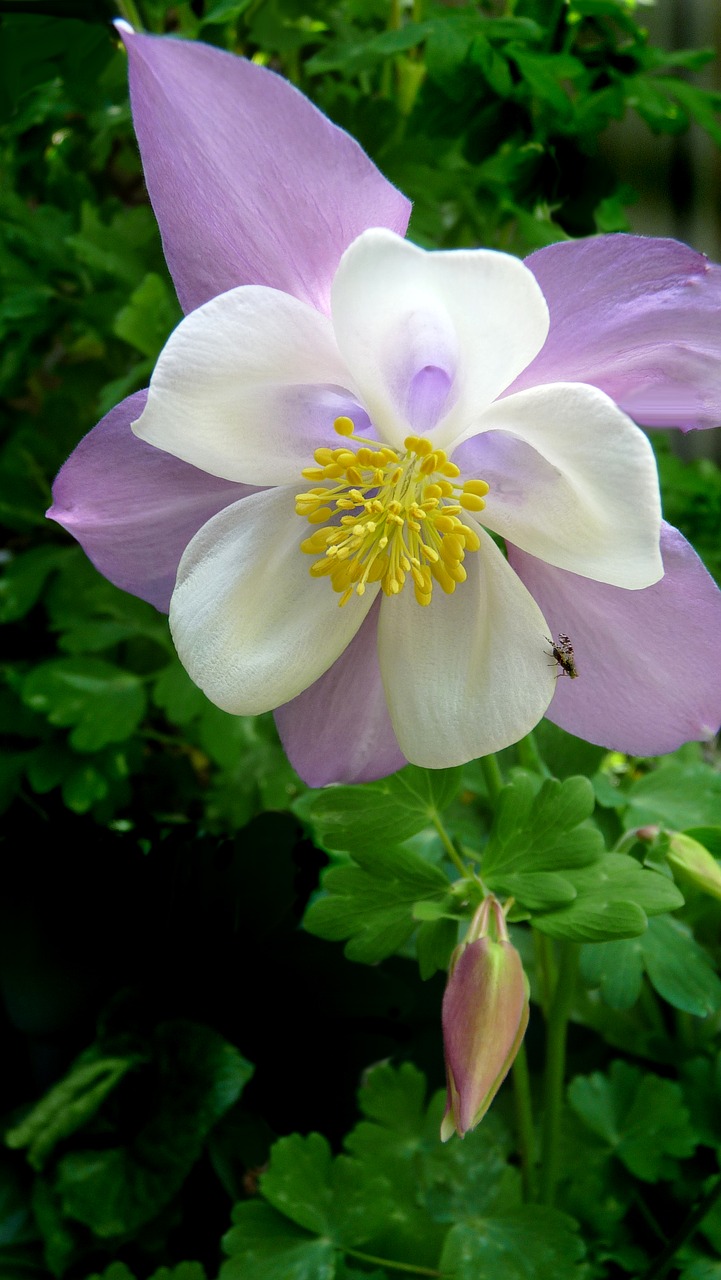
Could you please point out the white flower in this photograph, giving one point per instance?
(407, 375)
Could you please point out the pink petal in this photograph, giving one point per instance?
(250, 183)
(339, 730)
(133, 508)
(639, 318)
(648, 661)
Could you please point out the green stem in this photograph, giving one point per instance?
(663, 1262)
(524, 1125)
(390, 1265)
(545, 968)
(449, 847)
(530, 757)
(491, 775)
(129, 10)
(556, 1029)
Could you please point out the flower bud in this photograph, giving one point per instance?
(485, 1015)
(695, 862)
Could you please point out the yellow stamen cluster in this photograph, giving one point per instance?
(387, 516)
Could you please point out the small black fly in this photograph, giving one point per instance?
(562, 651)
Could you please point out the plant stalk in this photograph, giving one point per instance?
(524, 1125)
(663, 1262)
(556, 1032)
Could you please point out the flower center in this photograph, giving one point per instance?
(386, 516)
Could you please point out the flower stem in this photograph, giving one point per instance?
(530, 757)
(524, 1125)
(556, 1029)
(449, 847)
(390, 1265)
(663, 1262)
(129, 10)
(491, 776)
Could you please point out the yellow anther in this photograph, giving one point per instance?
(450, 469)
(344, 458)
(443, 578)
(323, 456)
(452, 547)
(344, 426)
(471, 502)
(479, 487)
(457, 572)
(317, 517)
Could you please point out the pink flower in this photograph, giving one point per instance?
(485, 1015)
(513, 386)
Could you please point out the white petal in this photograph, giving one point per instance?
(470, 318)
(251, 627)
(246, 387)
(469, 673)
(573, 482)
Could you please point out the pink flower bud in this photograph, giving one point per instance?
(695, 862)
(485, 1015)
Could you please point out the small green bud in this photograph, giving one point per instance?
(485, 1015)
(695, 862)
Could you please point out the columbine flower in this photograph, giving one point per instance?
(485, 1015)
(343, 426)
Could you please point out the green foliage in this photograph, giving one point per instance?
(641, 1118)
(357, 819)
(118, 1136)
(396, 1197)
(489, 118)
(677, 967)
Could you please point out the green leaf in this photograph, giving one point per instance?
(24, 578)
(225, 11)
(532, 1242)
(641, 1117)
(538, 841)
(615, 967)
(394, 1098)
(702, 1269)
(358, 819)
(372, 903)
(615, 896)
(297, 1182)
(264, 1245)
(547, 74)
(193, 1078)
(102, 703)
(69, 1105)
(149, 316)
(677, 795)
(435, 941)
(433, 1184)
(679, 968)
(338, 1199)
